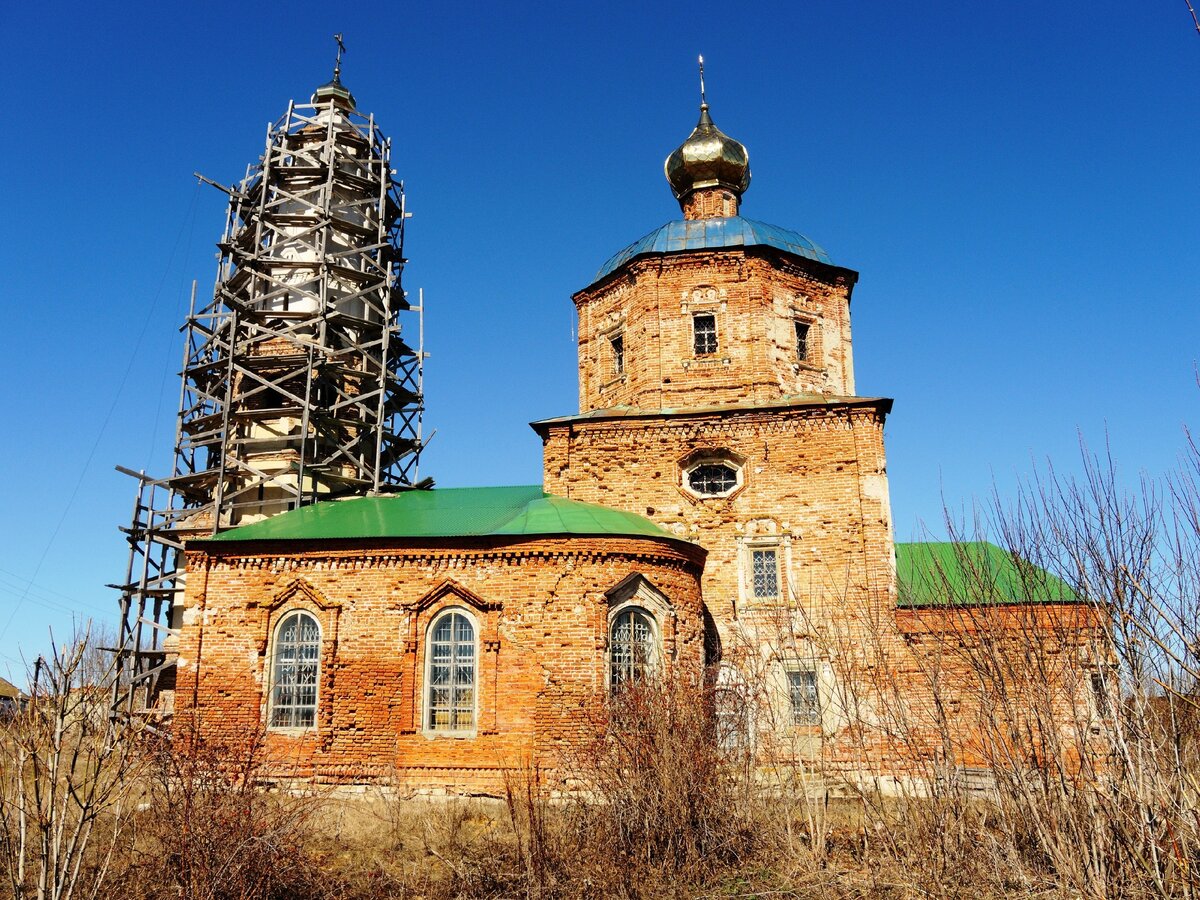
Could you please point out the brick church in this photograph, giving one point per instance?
(719, 504)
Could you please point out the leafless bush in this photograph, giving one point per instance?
(212, 829)
(657, 793)
(66, 780)
(1058, 737)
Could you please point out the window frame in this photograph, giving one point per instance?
(716, 460)
(804, 358)
(812, 713)
(428, 727)
(654, 642)
(759, 540)
(752, 550)
(1099, 693)
(714, 334)
(274, 682)
(616, 346)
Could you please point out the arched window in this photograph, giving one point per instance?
(451, 673)
(295, 664)
(631, 646)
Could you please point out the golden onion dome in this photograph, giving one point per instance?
(709, 158)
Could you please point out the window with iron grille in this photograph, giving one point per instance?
(618, 354)
(712, 478)
(630, 646)
(764, 570)
(805, 697)
(802, 348)
(704, 333)
(295, 665)
(451, 673)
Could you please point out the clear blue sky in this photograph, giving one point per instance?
(1015, 182)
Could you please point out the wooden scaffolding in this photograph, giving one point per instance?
(297, 385)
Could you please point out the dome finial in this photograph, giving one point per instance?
(334, 90)
(703, 100)
(337, 64)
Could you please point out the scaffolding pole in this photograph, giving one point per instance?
(297, 385)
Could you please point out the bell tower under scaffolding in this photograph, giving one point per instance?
(297, 385)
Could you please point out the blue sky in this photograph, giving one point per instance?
(1015, 182)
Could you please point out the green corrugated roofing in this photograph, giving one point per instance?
(972, 573)
(446, 512)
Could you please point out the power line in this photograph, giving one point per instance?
(133, 355)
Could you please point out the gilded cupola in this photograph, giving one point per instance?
(709, 171)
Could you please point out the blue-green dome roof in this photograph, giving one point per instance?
(707, 234)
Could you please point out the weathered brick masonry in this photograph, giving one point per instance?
(814, 486)
(543, 612)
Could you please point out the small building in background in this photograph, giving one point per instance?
(12, 699)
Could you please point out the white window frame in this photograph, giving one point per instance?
(635, 592)
(427, 726)
(273, 680)
(754, 550)
(781, 544)
(693, 465)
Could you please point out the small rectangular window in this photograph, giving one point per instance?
(1099, 693)
(802, 341)
(805, 698)
(764, 568)
(704, 333)
(618, 354)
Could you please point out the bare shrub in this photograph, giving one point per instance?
(658, 798)
(66, 779)
(212, 829)
(1055, 736)
(532, 821)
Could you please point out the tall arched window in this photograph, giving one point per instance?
(451, 696)
(631, 644)
(295, 665)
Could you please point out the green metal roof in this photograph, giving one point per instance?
(446, 512)
(970, 574)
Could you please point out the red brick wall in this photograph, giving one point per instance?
(756, 297)
(541, 610)
(814, 478)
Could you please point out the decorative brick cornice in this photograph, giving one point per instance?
(294, 557)
(350, 556)
(636, 430)
(784, 415)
